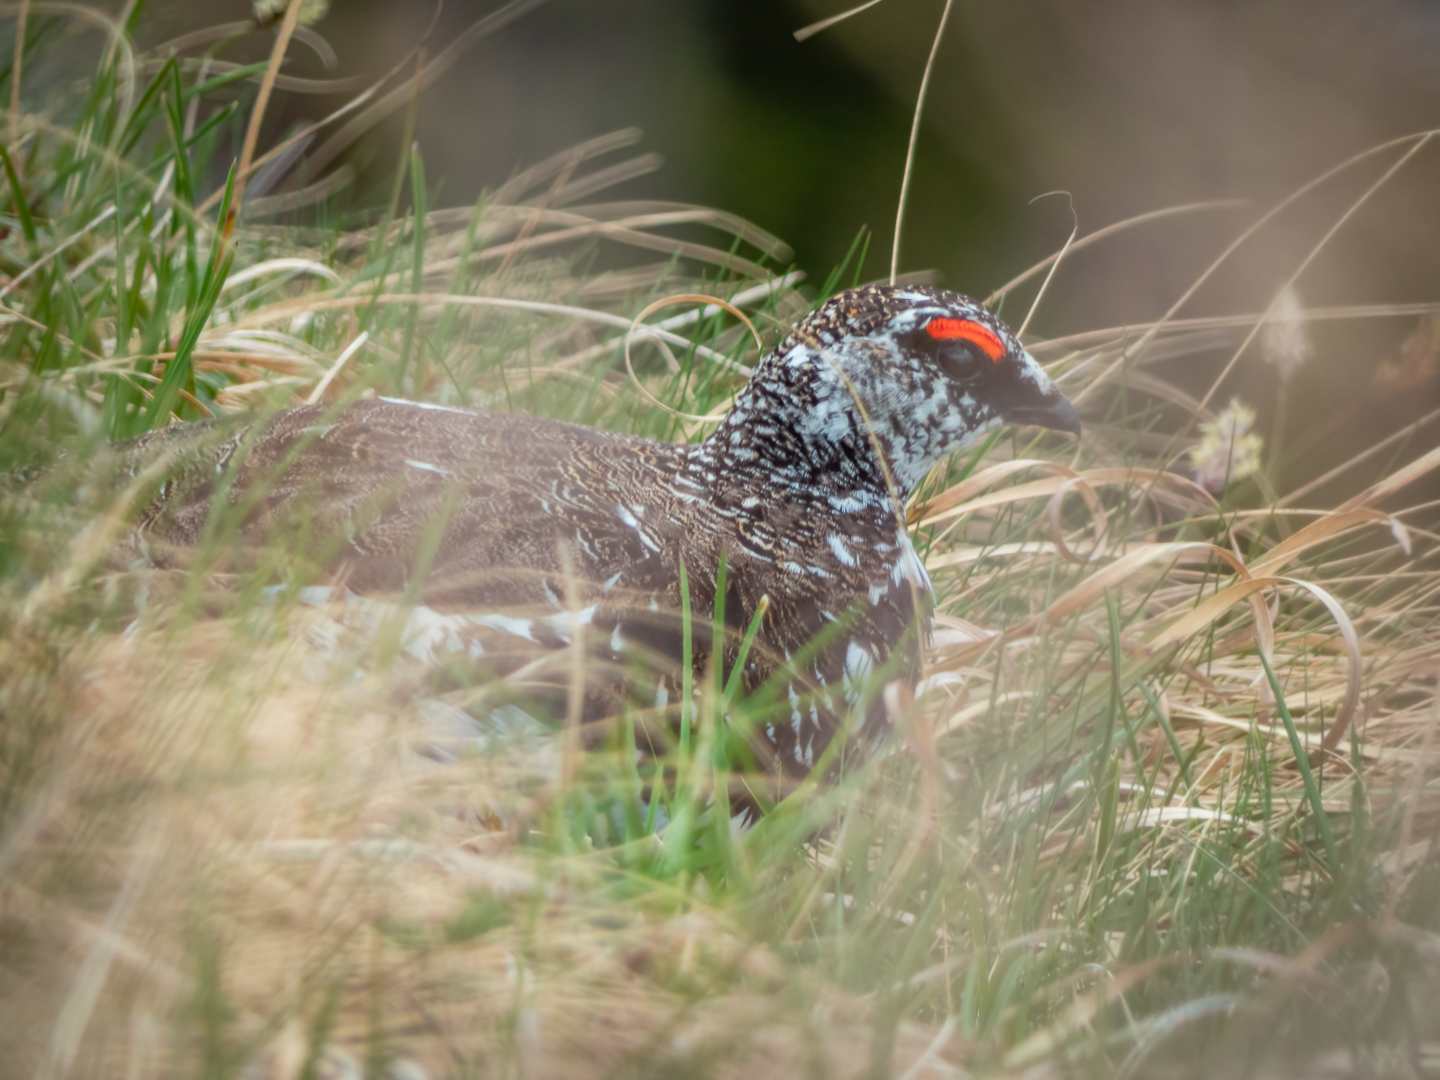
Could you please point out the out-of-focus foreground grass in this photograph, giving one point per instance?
(1165, 804)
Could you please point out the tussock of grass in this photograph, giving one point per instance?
(1166, 802)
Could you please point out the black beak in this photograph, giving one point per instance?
(1059, 415)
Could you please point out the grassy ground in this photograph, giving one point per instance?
(1166, 803)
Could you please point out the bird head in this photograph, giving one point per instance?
(916, 372)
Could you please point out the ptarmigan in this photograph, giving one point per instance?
(513, 533)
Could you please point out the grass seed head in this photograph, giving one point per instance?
(1284, 343)
(1228, 450)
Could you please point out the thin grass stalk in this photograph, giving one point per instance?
(915, 138)
(257, 114)
(17, 65)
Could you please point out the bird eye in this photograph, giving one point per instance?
(962, 361)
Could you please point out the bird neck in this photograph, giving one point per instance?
(785, 429)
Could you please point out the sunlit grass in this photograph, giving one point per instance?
(1164, 802)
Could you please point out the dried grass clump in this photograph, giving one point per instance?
(243, 853)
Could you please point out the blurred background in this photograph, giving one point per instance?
(1127, 106)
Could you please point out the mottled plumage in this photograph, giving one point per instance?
(524, 530)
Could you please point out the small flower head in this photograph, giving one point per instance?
(1283, 341)
(1228, 450)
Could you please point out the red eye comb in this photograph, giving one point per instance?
(965, 330)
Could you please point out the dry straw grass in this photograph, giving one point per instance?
(1166, 802)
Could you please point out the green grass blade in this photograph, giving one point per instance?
(1302, 762)
(17, 195)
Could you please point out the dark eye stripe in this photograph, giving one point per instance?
(965, 330)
